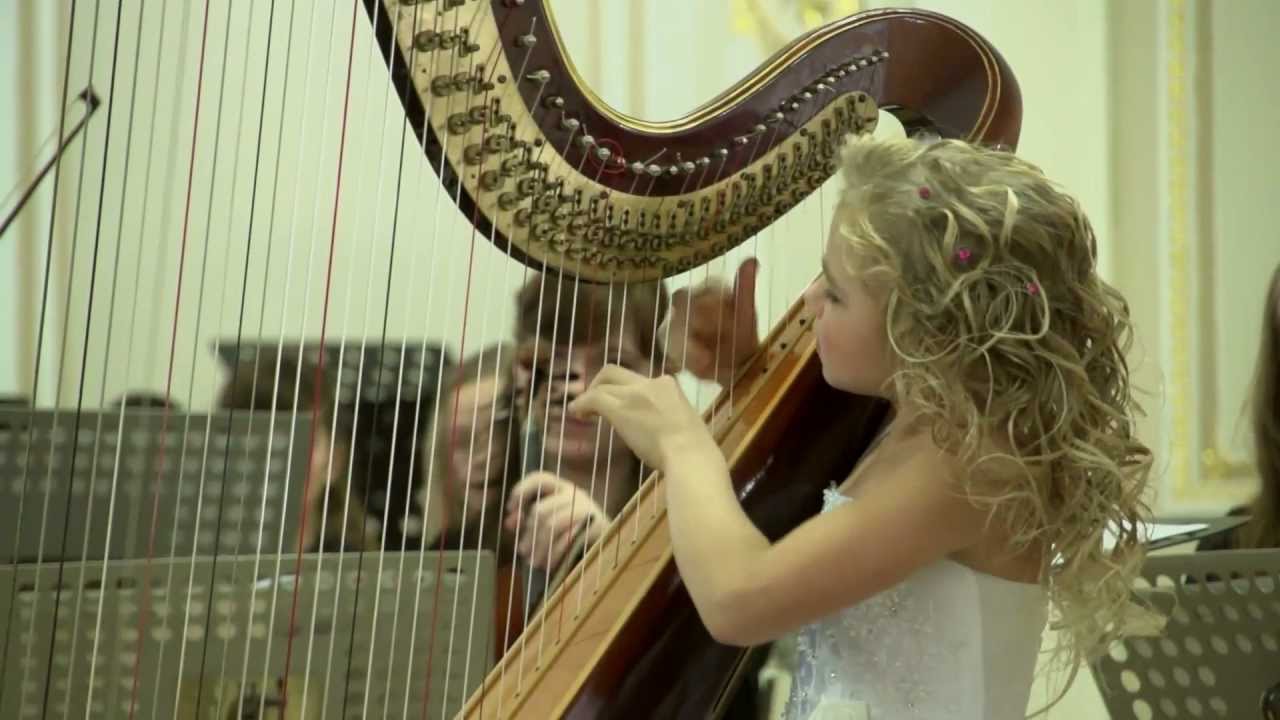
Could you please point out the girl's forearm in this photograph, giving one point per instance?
(716, 545)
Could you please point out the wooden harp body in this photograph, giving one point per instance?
(564, 183)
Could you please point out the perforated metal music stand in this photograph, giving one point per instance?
(214, 635)
(208, 482)
(1220, 650)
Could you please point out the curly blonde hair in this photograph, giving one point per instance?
(1012, 348)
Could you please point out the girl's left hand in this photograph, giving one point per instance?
(651, 414)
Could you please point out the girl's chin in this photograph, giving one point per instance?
(842, 383)
(833, 382)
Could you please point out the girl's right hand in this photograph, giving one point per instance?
(713, 331)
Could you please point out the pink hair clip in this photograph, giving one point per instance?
(962, 255)
(1033, 288)
(923, 192)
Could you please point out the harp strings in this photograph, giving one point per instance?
(29, 640)
(297, 385)
(509, 411)
(609, 454)
(438, 394)
(200, 302)
(190, 606)
(78, 413)
(145, 588)
(209, 155)
(494, 409)
(476, 16)
(529, 407)
(404, 520)
(548, 565)
(654, 364)
(382, 525)
(78, 597)
(544, 429)
(145, 214)
(590, 519)
(455, 15)
(348, 469)
(183, 457)
(318, 406)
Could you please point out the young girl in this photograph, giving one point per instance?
(959, 284)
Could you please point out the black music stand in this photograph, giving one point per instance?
(1192, 529)
(1220, 651)
(382, 386)
(213, 648)
(375, 370)
(204, 475)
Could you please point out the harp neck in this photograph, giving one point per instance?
(560, 180)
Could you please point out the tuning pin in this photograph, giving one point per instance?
(687, 166)
(637, 168)
(491, 180)
(653, 170)
(509, 201)
(539, 76)
(703, 161)
(586, 141)
(426, 41)
(603, 153)
(569, 123)
(555, 102)
(527, 40)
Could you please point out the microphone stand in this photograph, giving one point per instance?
(92, 102)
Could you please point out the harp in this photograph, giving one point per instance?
(545, 168)
(547, 173)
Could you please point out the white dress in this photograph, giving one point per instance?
(948, 642)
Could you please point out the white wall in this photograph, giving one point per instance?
(1241, 166)
(28, 119)
(12, 170)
